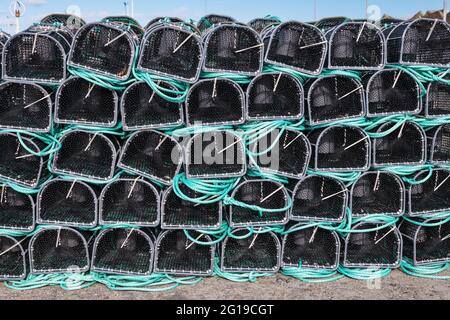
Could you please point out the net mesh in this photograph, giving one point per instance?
(68, 20)
(3, 38)
(439, 145)
(127, 22)
(330, 23)
(260, 24)
(438, 100)
(158, 20)
(16, 210)
(12, 259)
(211, 20)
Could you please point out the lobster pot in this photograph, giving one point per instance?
(153, 155)
(175, 254)
(405, 146)
(438, 142)
(333, 98)
(275, 96)
(299, 46)
(259, 24)
(141, 108)
(107, 49)
(431, 195)
(424, 42)
(211, 20)
(130, 201)
(172, 51)
(233, 48)
(81, 102)
(256, 253)
(319, 199)
(25, 106)
(59, 250)
(127, 21)
(3, 38)
(13, 258)
(392, 92)
(123, 252)
(340, 149)
(356, 46)
(424, 245)
(67, 203)
(19, 166)
(87, 155)
(16, 210)
(159, 20)
(177, 213)
(215, 102)
(289, 156)
(37, 55)
(387, 22)
(216, 154)
(437, 100)
(378, 193)
(327, 24)
(69, 21)
(265, 194)
(374, 249)
(311, 248)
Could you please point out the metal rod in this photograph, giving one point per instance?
(37, 101)
(292, 141)
(69, 193)
(312, 45)
(334, 194)
(272, 194)
(249, 48)
(90, 142)
(115, 39)
(192, 242)
(387, 233)
(349, 93)
(277, 82)
(132, 187)
(226, 148)
(441, 184)
(126, 239)
(161, 143)
(354, 144)
(431, 30)
(182, 43)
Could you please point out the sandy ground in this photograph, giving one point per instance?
(396, 286)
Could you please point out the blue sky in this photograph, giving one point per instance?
(242, 10)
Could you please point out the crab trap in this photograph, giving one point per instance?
(81, 102)
(107, 49)
(215, 154)
(392, 92)
(59, 250)
(151, 154)
(259, 203)
(427, 242)
(259, 24)
(25, 106)
(13, 258)
(356, 46)
(296, 45)
(340, 149)
(141, 108)
(233, 48)
(130, 201)
(159, 20)
(212, 20)
(68, 20)
(175, 254)
(372, 249)
(127, 21)
(260, 252)
(378, 193)
(333, 98)
(319, 199)
(437, 100)
(86, 154)
(172, 51)
(17, 210)
(423, 42)
(38, 55)
(215, 102)
(177, 213)
(275, 96)
(123, 252)
(326, 24)
(67, 203)
(406, 145)
(438, 142)
(310, 248)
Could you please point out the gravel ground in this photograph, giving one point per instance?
(396, 286)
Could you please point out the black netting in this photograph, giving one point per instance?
(130, 201)
(311, 248)
(258, 252)
(235, 49)
(264, 194)
(300, 46)
(393, 91)
(215, 154)
(86, 154)
(439, 145)
(158, 20)
(3, 38)
(13, 262)
(67, 203)
(335, 98)
(273, 96)
(214, 102)
(172, 51)
(153, 155)
(81, 102)
(319, 198)
(208, 21)
(68, 20)
(58, 250)
(142, 108)
(376, 193)
(438, 100)
(25, 106)
(127, 21)
(177, 213)
(404, 146)
(326, 24)
(259, 24)
(123, 251)
(16, 210)
(176, 254)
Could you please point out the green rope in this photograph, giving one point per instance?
(428, 271)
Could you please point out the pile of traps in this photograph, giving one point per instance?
(144, 158)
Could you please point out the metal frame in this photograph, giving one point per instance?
(5, 277)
